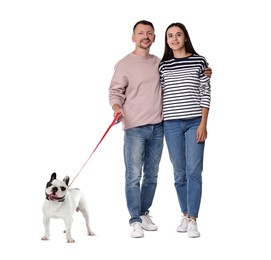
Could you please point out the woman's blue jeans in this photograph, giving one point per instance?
(143, 147)
(186, 156)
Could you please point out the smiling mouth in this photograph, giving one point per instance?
(53, 197)
(146, 41)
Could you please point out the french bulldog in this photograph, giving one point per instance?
(62, 202)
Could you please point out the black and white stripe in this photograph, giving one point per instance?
(186, 90)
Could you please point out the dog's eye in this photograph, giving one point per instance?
(63, 188)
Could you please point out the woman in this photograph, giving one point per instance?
(186, 101)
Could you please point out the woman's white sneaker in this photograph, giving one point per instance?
(184, 224)
(137, 230)
(192, 229)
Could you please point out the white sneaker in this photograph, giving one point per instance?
(184, 224)
(147, 223)
(193, 229)
(137, 230)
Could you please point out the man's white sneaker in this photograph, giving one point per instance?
(192, 229)
(137, 230)
(184, 224)
(147, 223)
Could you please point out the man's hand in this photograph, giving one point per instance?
(208, 72)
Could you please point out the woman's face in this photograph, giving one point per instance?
(175, 38)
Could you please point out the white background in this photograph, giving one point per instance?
(56, 62)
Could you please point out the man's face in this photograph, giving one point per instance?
(143, 36)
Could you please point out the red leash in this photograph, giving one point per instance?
(113, 123)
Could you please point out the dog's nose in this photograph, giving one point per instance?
(54, 189)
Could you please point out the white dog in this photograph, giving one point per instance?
(62, 202)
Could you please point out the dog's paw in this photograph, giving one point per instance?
(70, 240)
(91, 233)
(45, 238)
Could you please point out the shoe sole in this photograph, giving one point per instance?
(150, 229)
(137, 236)
(194, 236)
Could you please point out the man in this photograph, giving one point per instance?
(135, 94)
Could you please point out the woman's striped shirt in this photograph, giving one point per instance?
(186, 90)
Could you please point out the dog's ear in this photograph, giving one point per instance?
(66, 180)
(53, 176)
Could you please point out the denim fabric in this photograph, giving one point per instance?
(186, 156)
(143, 147)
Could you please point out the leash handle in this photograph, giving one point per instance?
(115, 121)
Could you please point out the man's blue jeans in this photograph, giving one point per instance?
(143, 147)
(186, 156)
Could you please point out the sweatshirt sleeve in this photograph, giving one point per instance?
(161, 75)
(118, 86)
(205, 86)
